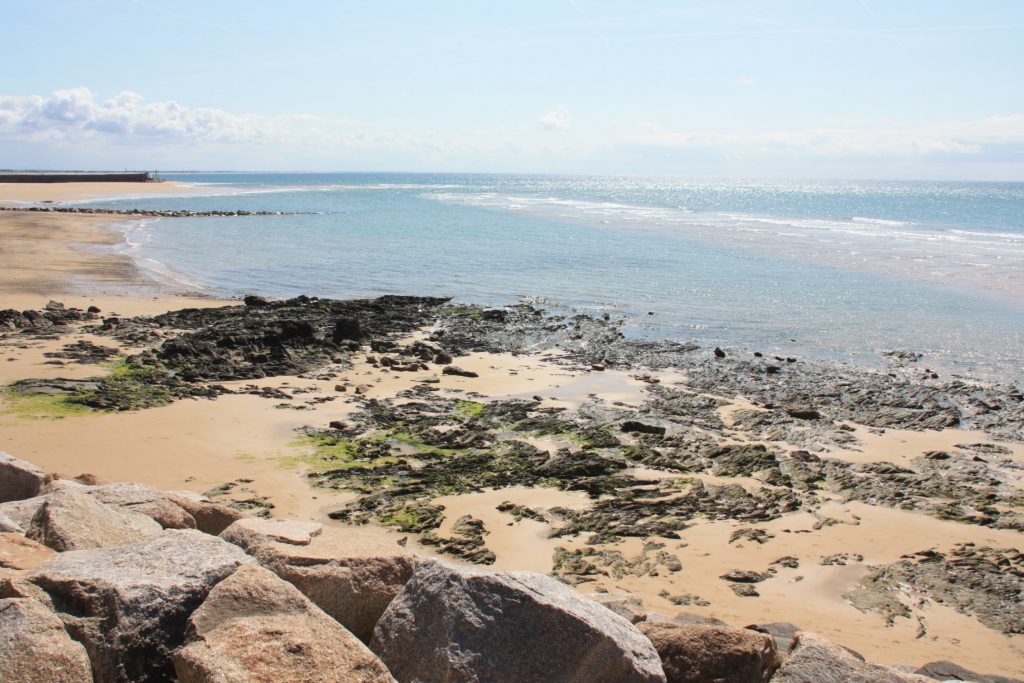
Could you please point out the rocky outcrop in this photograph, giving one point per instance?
(693, 653)
(949, 671)
(258, 530)
(21, 512)
(629, 607)
(255, 627)
(8, 524)
(73, 521)
(128, 605)
(18, 552)
(814, 659)
(349, 574)
(133, 497)
(783, 634)
(452, 624)
(35, 648)
(210, 518)
(19, 479)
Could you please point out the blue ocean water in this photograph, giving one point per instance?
(835, 269)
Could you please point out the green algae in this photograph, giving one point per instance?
(470, 409)
(463, 311)
(43, 406)
(328, 453)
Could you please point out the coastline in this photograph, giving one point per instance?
(19, 194)
(201, 444)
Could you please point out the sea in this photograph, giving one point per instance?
(838, 270)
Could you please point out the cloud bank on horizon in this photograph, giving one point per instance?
(77, 118)
(686, 88)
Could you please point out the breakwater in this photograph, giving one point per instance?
(148, 212)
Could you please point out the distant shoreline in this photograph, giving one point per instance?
(19, 194)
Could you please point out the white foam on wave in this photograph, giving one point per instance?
(879, 221)
(882, 245)
(137, 234)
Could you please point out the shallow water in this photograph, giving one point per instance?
(841, 270)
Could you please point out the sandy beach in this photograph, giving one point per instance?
(13, 194)
(254, 449)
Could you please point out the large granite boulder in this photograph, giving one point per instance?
(452, 624)
(210, 518)
(135, 498)
(782, 632)
(945, 670)
(7, 524)
(72, 521)
(275, 531)
(815, 659)
(19, 479)
(129, 605)
(18, 552)
(352, 574)
(694, 653)
(35, 648)
(629, 607)
(256, 627)
(21, 512)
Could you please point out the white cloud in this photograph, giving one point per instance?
(77, 114)
(76, 127)
(557, 118)
(745, 81)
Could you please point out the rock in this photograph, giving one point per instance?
(253, 301)
(459, 372)
(35, 648)
(21, 512)
(9, 525)
(129, 605)
(744, 590)
(719, 353)
(632, 426)
(351, 574)
(803, 413)
(280, 530)
(347, 329)
(19, 479)
(782, 632)
(255, 627)
(687, 618)
(745, 576)
(73, 521)
(948, 671)
(815, 659)
(211, 518)
(442, 358)
(697, 653)
(136, 498)
(454, 624)
(629, 607)
(18, 552)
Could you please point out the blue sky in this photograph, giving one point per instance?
(798, 88)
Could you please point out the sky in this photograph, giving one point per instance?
(887, 89)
